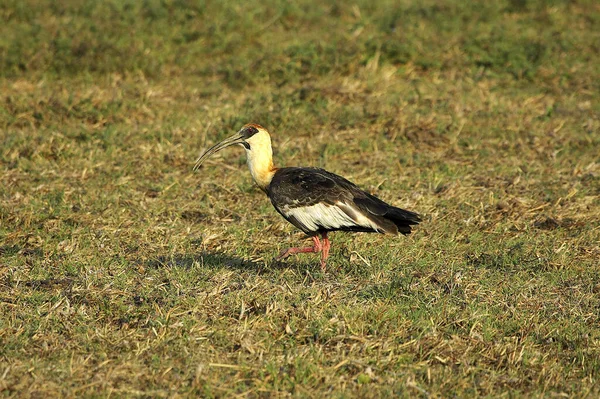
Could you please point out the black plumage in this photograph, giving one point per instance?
(302, 187)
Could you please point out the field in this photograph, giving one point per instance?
(125, 274)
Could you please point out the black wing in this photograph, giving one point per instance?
(293, 188)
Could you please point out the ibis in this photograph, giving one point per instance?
(312, 199)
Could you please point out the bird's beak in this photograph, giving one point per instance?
(235, 139)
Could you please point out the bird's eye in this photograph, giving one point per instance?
(250, 131)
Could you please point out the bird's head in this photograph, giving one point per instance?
(254, 138)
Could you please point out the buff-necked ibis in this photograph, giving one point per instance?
(312, 199)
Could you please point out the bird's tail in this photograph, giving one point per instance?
(403, 219)
(388, 217)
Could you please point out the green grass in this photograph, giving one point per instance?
(122, 273)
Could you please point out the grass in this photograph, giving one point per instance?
(123, 273)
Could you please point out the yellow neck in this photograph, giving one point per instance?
(260, 163)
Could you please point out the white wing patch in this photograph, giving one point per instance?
(328, 216)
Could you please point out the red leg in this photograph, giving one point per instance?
(325, 253)
(316, 248)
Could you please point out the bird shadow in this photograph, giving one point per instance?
(216, 260)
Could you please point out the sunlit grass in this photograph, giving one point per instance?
(124, 273)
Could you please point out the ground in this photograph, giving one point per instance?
(123, 273)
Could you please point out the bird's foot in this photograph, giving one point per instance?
(292, 251)
(325, 251)
(323, 248)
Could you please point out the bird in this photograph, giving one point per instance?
(312, 199)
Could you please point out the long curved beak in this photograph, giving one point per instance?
(235, 139)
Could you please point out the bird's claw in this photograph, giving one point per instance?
(283, 254)
(323, 266)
